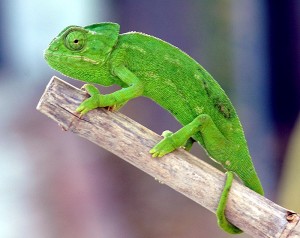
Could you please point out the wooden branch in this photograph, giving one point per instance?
(185, 173)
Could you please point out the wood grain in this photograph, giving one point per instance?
(254, 214)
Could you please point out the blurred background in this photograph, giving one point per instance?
(55, 184)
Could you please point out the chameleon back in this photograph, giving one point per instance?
(183, 87)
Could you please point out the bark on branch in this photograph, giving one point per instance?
(254, 214)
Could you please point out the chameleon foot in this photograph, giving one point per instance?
(165, 146)
(92, 102)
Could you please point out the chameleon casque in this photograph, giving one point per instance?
(147, 66)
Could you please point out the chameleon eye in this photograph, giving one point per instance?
(75, 40)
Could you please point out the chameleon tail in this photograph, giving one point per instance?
(222, 220)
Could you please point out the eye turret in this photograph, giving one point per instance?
(75, 39)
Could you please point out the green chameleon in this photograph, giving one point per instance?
(147, 66)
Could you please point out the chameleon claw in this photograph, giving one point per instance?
(82, 113)
(88, 104)
(153, 153)
(157, 153)
(163, 147)
(81, 110)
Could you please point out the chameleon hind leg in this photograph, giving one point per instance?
(215, 144)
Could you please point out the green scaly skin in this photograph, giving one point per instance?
(147, 66)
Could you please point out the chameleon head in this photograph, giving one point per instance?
(80, 52)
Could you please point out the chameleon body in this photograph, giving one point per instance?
(147, 66)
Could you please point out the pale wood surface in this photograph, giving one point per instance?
(254, 214)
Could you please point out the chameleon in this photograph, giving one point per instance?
(143, 65)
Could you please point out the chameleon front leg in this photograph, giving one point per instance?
(116, 99)
(215, 143)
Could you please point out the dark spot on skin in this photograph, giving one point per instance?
(205, 86)
(218, 103)
(202, 75)
(223, 109)
(173, 112)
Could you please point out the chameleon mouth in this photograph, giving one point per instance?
(46, 54)
(50, 55)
